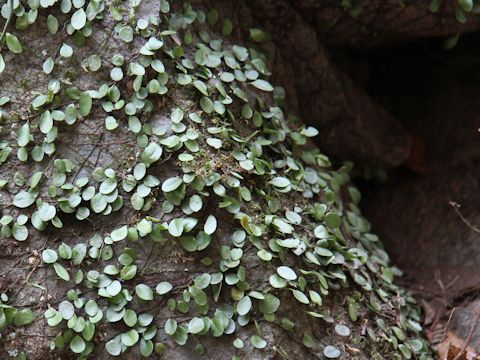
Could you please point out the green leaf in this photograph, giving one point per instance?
(258, 35)
(144, 292)
(130, 318)
(176, 227)
(280, 182)
(269, 304)
(415, 344)
(67, 309)
(46, 122)
(286, 273)
(13, 43)
(146, 347)
(206, 104)
(451, 41)
(160, 347)
(196, 325)
(94, 62)
(154, 86)
(203, 280)
(200, 85)
(46, 212)
(177, 115)
(120, 233)
(227, 27)
(170, 326)
(111, 123)
(20, 232)
(244, 306)
(262, 85)
(353, 310)
(331, 352)
(55, 319)
(321, 232)
(23, 317)
(195, 203)
(172, 184)
(466, 5)
(152, 153)
(79, 19)
(283, 226)
(323, 251)
(158, 66)
(130, 338)
(91, 308)
(98, 203)
(137, 201)
(240, 52)
(39, 101)
(114, 346)
(163, 288)
(114, 288)
(342, 330)
(310, 132)
(126, 34)
(258, 342)
(210, 225)
(198, 295)
(238, 343)
(61, 271)
(227, 77)
(164, 6)
(291, 243)
(264, 255)
(300, 296)
(212, 16)
(65, 251)
(215, 143)
(78, 253)
(139, 171)
(52, 24)
(49, 256)
(116, 74)
(137, 69)
(23, 135)
(85, 103)
(48, 66)
(307, 338)
(128, 272)
(277, 282)
(66, 51)
(77, 345)
(333, 219)
(23, 199)
(2, 64)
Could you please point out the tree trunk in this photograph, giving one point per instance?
(215, 219)
(372, 23)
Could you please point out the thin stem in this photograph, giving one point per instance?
(468, 339)
(10, 16)
(468, 223)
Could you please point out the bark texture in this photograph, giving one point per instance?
(353, 126)
(31, 284)
(381, 22)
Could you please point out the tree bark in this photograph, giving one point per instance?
(352, 125)
(384, 23)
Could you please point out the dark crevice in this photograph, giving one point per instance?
(433, 93)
